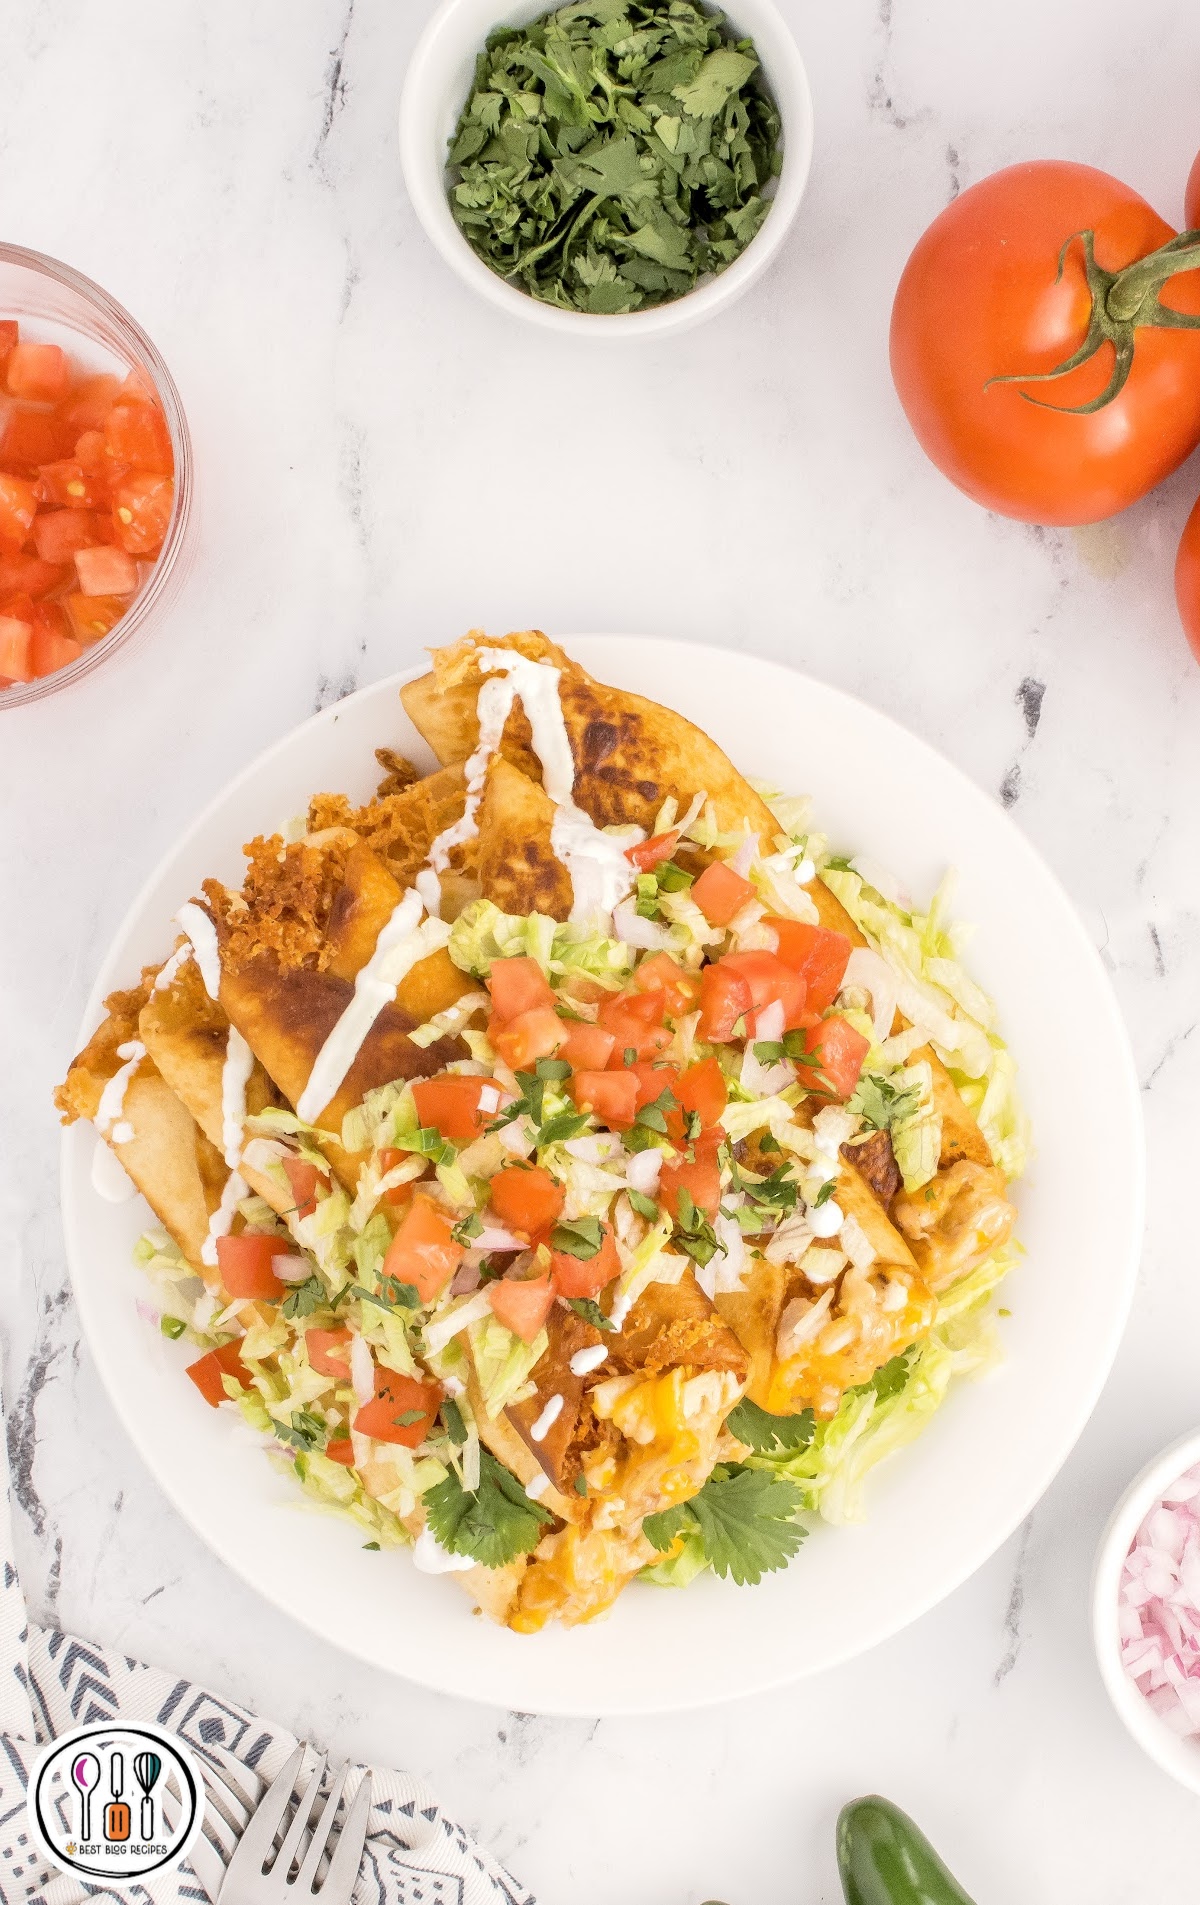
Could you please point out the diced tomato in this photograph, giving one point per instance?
(340, 1449)
(819, 956)
(720, 893)
(631, 1033)
(424, 1252)
(535, 1034)
(67, 485)
(18, 507)
(699, 1175)
(649, 1006)
(651, 853)
(724, 997)
(653, 1080)
(31, 438)
(89, 404)
(587, 1048)
(136, 435)
(702, 1089)
(16, 649)
(60, 533)
(526, 1197)
(92, 616)
(518, 985)
(305, 1179)
(770, 982)
(137, 388)
(141, 509)
(329, 1352)
(207, 1372)
(451, 1105)
(586, 1276)
(400, 1196)
(397, 1397)
(612, 1096)
(10, 333)
(246, 1263)
(38, 372)
(522, 1304)
(52, 647)
(660, 973)
(29, 575)
(837, 1057)
(106, 571)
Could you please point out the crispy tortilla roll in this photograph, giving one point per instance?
(518, 869)
(179, 1173)
(400, 827)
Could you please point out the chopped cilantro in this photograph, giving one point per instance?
(391, 1294)
(654, 1116)
(839, 862)
(467, 1227)
(643, 1205)
(630, 1055)
(581, 1487)
(304, 1298)
(590, 1312)
(890, 1380)
(745, 1519)
(493, 1523)
(552, 1071)
(825, 1193)
(582, 1237)
(693, 1232)
(456, 1428)
(563, 1125)
(372, 1547)
(304, 1431)
(880, 1104)
(767, 1434)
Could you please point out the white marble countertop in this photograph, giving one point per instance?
(385, 462)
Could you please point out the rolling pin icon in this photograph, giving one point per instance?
(117, 1822)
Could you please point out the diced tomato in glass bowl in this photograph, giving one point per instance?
(96, 485)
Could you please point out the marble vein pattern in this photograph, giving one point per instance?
(385, 462)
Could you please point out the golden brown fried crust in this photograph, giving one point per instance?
(283, 908)
(518, 869)
(552, 1376)
(875, 1162)
(674, 1326)
(398, 772)
(90, 1070)
(401, 825)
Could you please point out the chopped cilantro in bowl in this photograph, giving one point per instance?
(614, 155)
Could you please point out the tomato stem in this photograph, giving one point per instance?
(1122, 302)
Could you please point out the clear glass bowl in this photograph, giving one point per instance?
(64, 307)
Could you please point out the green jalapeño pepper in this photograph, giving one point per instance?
(885, 1860)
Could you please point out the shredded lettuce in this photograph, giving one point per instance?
(502, 1361)
(917, 1138)
(482, 933)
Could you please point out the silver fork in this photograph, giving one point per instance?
(293, 1872)
(231, 1791)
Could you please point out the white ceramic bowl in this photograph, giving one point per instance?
(936, 1510)
(1180, 1758)
(435, 91)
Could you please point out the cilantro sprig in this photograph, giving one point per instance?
(881, 1104)
(744, 1518)
(493, 1523)
(769, 1434)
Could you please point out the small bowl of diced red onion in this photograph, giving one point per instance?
(96, 484)
(1146, 1609)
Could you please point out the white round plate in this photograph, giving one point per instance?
(939, 1508)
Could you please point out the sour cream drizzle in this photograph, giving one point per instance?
(430, 1557)
(235, 1075)
(178, 958)
(547, 1419)
(221, 1221)
(402, 942)
(585, 1360)
(112, 1098)
(203, 936)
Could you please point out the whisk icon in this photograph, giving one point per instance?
(146, 1769)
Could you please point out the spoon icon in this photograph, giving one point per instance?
(85, 1777)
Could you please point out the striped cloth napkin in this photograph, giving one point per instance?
(50, 1682)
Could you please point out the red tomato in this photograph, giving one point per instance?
(18, 507)
(136, 435)
(518, 985)
(612, 1096)
(520, 1042)
(329, 1352)
(38, 372)
(92, 616)
(702, 1088)
(29, 575)
(699, 1175)
(1191, 198)
(724, 997)
(651, 853)
(720, 893)
(67, 485)
(246, 1263)
(526, 1197)
(10, 333)
(397, 1397)
(106, 571)
(1187, 573)
(340, 1449)
(586, 1276)
(631, 1030)
(681, 989)
(587, 1048)
(400, 1195)
(450, 1104)
(207, 1372)
(837, 1058)
(305, 1180)
(770, 982)
(819, 956)
(16, 649)
(141, 509)
(522, 1304)
(60, 533)
(31, 438)
(424, 1252)
(982, 298)
(89, 404)
(52, 647)
(653, 1080)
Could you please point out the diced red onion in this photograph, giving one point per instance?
(1159, 1612)
(493, 1236)
(642, 1169)
(362, 1369)
(746, 855)
(291, 1268)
